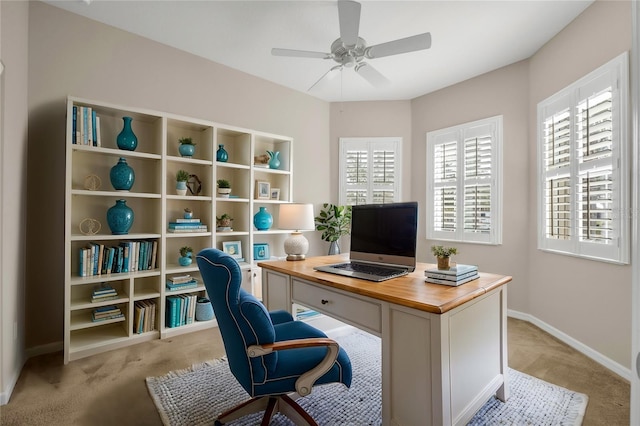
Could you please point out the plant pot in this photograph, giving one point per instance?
(181, 188)
(224, 192)
(444, 262)
(185, 260)
(186, 149)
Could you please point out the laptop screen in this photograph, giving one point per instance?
(385, 233)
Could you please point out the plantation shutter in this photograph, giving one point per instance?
(583, 172)
(463, 182)
(369, 170)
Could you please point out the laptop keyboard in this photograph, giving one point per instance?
(379, 271)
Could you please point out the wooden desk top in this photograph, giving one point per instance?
(411, 290)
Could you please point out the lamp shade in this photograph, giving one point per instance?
(296, 217)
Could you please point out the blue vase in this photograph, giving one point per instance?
(221, 154)
(274, 162)
(127, 140)
(263, 219)
(122, 176)
(120, 218)
(186, 149)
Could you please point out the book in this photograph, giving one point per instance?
(181, 286)
(450, 277)
(98, 138)
(182, 220)
(457, 270)
(74, 125)
(180, 279)
(102, 288)
(451, 282)
(173, 225)
(177, 231)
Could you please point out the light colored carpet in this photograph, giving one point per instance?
(197, 395)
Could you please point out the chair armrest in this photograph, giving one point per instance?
(306, 380)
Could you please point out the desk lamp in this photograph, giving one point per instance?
(296, 217)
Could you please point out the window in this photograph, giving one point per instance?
(370, 170)
(582, 168)
(464, 182)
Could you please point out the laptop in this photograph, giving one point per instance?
(383, 242)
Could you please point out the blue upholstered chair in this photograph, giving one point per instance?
(269, 353)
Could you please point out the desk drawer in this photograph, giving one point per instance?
(358, 312)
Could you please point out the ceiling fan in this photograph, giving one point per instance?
(350, 50)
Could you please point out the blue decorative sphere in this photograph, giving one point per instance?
(263, 219)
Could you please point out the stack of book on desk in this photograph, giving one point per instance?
(454, 276)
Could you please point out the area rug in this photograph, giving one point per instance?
(195, 396)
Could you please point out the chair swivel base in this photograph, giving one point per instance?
(270, 405)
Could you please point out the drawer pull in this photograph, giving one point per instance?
(324, 301)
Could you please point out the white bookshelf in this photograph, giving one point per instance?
(155, 203)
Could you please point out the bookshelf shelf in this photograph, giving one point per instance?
(155, 202)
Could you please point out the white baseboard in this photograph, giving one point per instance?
(606, 362)
(5, 395)
(44, 349)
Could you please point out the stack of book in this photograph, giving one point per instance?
(180, 282)
(145, 317)
(187, 225)
(102, 292)
(454, 276)
(181, 310)
(106, 313)
(86, 127)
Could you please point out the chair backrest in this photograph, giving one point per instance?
(242, 319)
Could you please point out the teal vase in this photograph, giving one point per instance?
(127, 140)
(221, 154)
(263, 219)
(120, 218)
(274, 162)
(122, 176)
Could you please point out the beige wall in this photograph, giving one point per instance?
(13, 190)
(501, 92)
(71, 55)
(369, 119)
(588, 300)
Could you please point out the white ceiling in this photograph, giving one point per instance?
(469, 38)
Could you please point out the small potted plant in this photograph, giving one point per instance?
(443, 254)
(181, 182)
(224, 222)
(334, 221)
(186, 254)
(188, 214)
(224, 188)
(187, 148)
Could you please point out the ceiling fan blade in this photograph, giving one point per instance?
(372, 75)
(396, 47)
(329, 75)
(349, 16)
(300, 53)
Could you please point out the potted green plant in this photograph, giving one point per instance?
(334, 221)
(181, 182)
(224, 222)
(187, 148)
(443, 254)
(186, 254)
(224, 188)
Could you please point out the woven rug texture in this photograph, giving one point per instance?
(195, 396)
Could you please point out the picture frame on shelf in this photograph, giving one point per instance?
(261, 251)
(233, 248)
(263, 190)
(275, 193)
